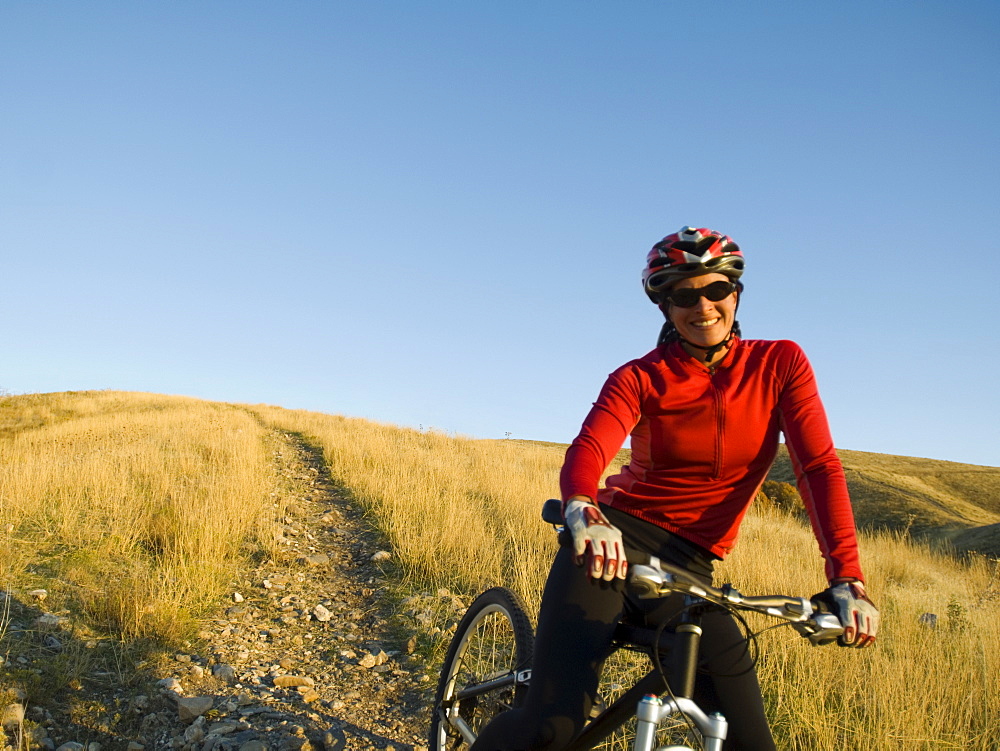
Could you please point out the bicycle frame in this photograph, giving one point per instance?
(639, 701)
(519, 678)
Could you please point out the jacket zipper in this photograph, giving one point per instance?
(720, 419)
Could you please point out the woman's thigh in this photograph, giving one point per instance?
(575, 625)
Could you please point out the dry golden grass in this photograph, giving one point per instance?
(463, 514)
(919, 688)
(460, 514)
(135, 507)
(138, 507)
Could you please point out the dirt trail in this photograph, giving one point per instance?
(320, 611)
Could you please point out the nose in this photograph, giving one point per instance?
(704, 305)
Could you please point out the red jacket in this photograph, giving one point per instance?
(703, 441)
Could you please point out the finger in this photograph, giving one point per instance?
(869, 629)
(610, 568)
(622, 563)
(851, 628)
(596, 559)
(610, 561)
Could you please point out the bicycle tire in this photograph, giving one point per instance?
(493, 639)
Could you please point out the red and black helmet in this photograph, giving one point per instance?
(690, 252)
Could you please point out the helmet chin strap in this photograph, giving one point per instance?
(711, 351)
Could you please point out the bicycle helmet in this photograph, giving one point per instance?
(690, 252)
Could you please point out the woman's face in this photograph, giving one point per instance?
(707, 323)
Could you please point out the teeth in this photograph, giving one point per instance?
(705, 324)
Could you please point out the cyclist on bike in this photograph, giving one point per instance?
(704, 410)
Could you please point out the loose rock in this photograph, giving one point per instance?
(291, 681)
(190, 708)
(224, 672)
(12, 715)
(316, 559)
(321, 614)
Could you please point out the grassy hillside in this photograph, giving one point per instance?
(931, 499)
(135, 509)
(132, 508)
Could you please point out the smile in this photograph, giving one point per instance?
(706, 324)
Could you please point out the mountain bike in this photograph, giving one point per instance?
(488, 665)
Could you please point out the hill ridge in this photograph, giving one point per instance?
(933, 499)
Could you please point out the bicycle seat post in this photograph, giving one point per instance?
(684, 658)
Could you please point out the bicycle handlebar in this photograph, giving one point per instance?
(649, 577)
(809, 617)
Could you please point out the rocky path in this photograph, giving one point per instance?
(307, 655)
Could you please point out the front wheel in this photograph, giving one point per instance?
(485, 671)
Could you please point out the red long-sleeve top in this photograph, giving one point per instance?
(703, 441)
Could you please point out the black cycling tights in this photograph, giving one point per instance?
(575, 626)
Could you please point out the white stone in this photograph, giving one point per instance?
(12, 715)
(171, 684)
(321, 614)
(47, 622)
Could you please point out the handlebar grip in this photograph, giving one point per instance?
(552, 512)
(820, 604)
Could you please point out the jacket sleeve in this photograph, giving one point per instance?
(818, 470)
(609, 422)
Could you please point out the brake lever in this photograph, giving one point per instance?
(647, 582)
(650, 580)
(823, 628)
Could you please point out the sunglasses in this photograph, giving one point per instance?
(688, 297)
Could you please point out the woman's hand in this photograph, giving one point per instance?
(597, 543)
(858, 615)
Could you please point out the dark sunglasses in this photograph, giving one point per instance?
(688, 297)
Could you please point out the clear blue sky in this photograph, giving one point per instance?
(435, 214)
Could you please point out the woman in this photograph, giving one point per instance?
(704, 410)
